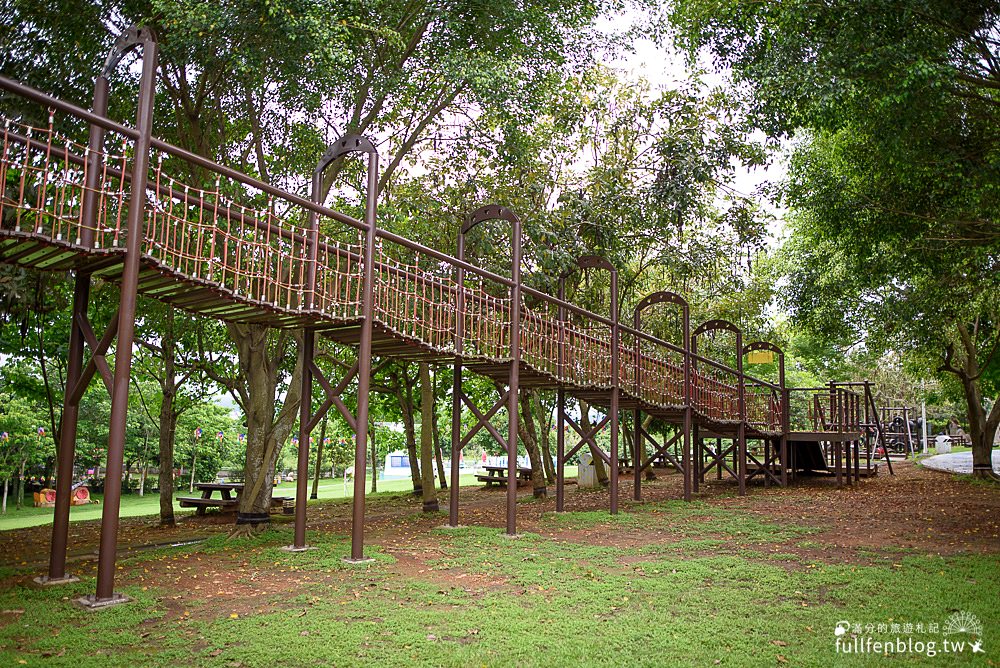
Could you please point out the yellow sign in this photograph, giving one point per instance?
(760, 357)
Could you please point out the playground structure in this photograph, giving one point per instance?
(848, 410)
(244, 251)
(902, 430)
(80, 496)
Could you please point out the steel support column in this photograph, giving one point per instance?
(740, 449)
(615, 387)
(638, 450)
(456, 386)
(686, 453)
(74, 367)
(698, 472)
(480, 215)
(305, 413)
(514, 378)
(67, 440)
(364, 358)
(560, 448)
(107, 554)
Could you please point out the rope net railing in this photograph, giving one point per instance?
(652, 371)
(715, 392)
(43, 185)
(257, 253)
(763, 406)
(255, 247)
(586, 353)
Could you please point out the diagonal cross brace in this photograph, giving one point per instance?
(97, 361)
(661, 450)
(587, 439)
(333, 397)
(765, 467)
(483, 419)
(719, 459)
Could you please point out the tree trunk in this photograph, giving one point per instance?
(144, 464)
(438, 453)
(168, 422)
(50, 399)
(982, 427)
(626, 441)
(168, 429)
(427, 439)
(602, 473)
(404, 393)
(650, 474)
(544, 431)
(6, 481)
(319, 462)
(529, 434)
(194, 464)
(20, 483)
(374, 455)
(266, 430)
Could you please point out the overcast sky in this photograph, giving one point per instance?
(664, 68)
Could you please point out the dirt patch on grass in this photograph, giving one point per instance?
(915, 510)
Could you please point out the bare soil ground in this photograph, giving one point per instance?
(916, 509)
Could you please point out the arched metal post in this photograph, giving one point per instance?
(741, 433)
(307, 419)
(480, 215)
(107, 554)
(664, 297)
(591, 262)
(355, 144)
(456, 384)
(561, 401)
(81, 301)
(783, 404)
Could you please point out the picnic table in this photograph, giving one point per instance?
(228, 500)
(497, 475)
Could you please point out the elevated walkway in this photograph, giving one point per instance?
(230, 247)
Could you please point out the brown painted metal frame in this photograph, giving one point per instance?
(121, 328)
(640, 435)
(845, 406)
(458, 440)
(611, 419)
(741, 438)
(772, 454)
(360, 371)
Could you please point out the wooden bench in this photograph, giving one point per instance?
(497, 475)
(202, 504)
(286, 503)
(489, 479)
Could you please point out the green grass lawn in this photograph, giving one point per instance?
(133, 505)
(725, 588)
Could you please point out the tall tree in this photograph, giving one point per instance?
(427, 438)
(896, 241)
(169, 355)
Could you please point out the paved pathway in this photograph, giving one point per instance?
(957, 462)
